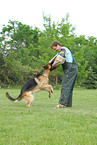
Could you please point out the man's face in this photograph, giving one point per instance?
(56, 48)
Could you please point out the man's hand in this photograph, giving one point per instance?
(52, 59)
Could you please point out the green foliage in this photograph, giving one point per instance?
(23, 48)
(82, 64)
(91, 80)
(12, 70)
(1, 60)
(17, 35)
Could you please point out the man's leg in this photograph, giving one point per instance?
(70, 95)
(64, 91)
(67, 88)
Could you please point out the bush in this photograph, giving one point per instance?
(91, 80)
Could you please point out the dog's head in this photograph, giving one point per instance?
(48, 66)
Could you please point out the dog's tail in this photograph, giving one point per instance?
(12, 99)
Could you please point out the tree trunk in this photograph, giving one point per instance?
(56, 80)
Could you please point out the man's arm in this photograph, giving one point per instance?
(52, 60)
(59, 60)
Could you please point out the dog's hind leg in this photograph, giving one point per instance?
(32, 99)
(28, 104)
(29, 98)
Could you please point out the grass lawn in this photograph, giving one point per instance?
(43, 125)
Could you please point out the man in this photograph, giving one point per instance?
(65, 57)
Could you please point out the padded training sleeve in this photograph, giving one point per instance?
(59, 60)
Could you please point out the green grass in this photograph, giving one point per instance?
(43, 125)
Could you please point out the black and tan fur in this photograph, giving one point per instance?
(37, 83)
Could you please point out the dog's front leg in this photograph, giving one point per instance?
(46, 88)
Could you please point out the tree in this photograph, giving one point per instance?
(91, 80)
(17, 35)
(91, 53)
(1, 66)
(13, 70)
(63, 32)
(26, 49)
(82, 63)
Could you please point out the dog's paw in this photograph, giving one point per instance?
(49, 95)
(52, 91)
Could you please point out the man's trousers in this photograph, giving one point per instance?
(67, 86)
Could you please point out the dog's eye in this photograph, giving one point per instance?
(45, 67)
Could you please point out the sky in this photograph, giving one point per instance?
(82, 13)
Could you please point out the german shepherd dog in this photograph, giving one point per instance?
(35, 84)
